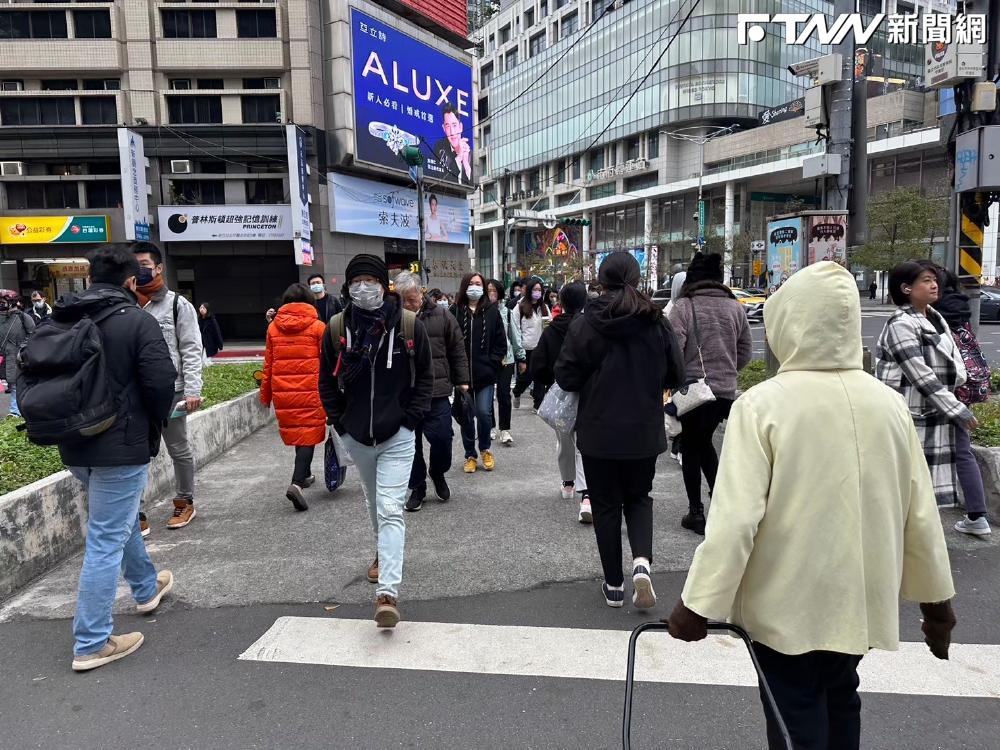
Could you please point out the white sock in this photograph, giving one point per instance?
(641, 561)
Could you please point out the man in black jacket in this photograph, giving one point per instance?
(376, 389)
(326, 306)
(451, 370)
(113, 465)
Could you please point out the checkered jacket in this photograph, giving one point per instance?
(916, 355)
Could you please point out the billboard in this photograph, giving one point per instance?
(33, 230)
(784, 250)
(217, 223)
(407, 93)
(827, 236)
(359, 206)
(298, 188)
(451, 14)
(135, 198)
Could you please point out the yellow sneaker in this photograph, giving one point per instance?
(470, 466)
(488, 463)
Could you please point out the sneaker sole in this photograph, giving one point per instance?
(644, 596)
(564, 496)
(386, 617)
(86, 666)
(415, 509)
(299, 503)
(175, 526)
(980, 534)
(145, 532)
(152, 604)
(613, 603)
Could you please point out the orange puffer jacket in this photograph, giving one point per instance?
(291, 374)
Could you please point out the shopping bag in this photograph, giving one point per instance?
(463, 409)
(558, 409)
(334, 472)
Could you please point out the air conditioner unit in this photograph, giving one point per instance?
(272, 83)
(11, 168)
(180, 166)
(12, 86)
(180, 84)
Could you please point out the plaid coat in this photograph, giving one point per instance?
(916, 355)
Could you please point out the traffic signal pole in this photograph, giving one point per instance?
(415, 161)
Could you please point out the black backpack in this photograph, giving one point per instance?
(63, 391)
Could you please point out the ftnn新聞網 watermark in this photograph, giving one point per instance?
(900, 29)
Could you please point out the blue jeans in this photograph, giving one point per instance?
(14, 411)
(484, 421)
(113, 543)
(384, 470)
(436, 427)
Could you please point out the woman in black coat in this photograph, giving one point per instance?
(486, 347)
(620, 355)
(211, 334)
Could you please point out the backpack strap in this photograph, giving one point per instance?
(108, 312)
(337, 330)
(409, 326)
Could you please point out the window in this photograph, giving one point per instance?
(48, 111)
(493, 43)
(260, 108)
(194, 110)
(213, 84)
(576, 168)
(210, 166)
(641, 182)
(256, 24)
(104, 194)
(35, 24)
(529, 18)
(262, 83)
(567, 199)
(601, 191)
(486, 75)
(98, 110)
(505, 35)
(511, 59)
(101, 84)
(180, 84)
(596, 159)
(543, 8)
(484, 108)
(570, 23)
(561, 3)
(189, 24)
(59, 84)
(632, 148)
(653, 145)
(489, 216)
(265, 191)
(28, 195)
(198, 192)
(535, 180)
(536, 45)
(92, 24)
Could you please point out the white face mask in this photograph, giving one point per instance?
(475, 293)
(367, 295)
(317, 288)
(443, 303)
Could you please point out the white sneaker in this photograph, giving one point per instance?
(586, 514)
(568, 492)
(980, 527)
(506, 438)
(643, 597)
(494, 434)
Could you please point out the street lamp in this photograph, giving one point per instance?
(704, 134)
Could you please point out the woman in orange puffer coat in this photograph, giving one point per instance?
(291, 381)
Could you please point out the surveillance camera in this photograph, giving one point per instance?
(822, 70)
(805, 67)
(695, 215)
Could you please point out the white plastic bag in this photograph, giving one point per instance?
(342, 453)
(558, 409)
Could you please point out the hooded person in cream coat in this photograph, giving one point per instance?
(823, 516)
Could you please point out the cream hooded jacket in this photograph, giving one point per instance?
(823, 513)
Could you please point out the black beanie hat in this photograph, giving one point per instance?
(704, 267)
(573, 297)
(367, 265)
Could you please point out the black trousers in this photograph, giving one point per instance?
(503, 396)
(524, 379)
(303, 463)
(437, 427)
(620, 487)
(817, 694)
(698, 450)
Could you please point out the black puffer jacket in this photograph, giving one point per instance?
(620, 367)
(485, 342)
(546, 354)
(451, 365)
(139, 368)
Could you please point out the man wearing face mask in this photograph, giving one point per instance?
(40, 310)
(376, 387)
(326, 306)
(179, 324)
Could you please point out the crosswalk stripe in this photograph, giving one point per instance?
(972, 672)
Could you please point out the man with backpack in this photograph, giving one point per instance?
(376, 382)
(98, 382)
(15, 327)
(179, 324)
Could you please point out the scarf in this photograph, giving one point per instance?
(146, 292)
(368, 329)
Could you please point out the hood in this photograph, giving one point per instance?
(562, 322)
(813, 321)
(71, 307)
(295, 317)
(599, 316)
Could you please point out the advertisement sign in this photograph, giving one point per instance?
(216, 223)
(33, 230)
(638, 253)
(827, 239)
(701, 89)
(407, 93)
(787, 111)
(359, 206)
(784, 249)
(298, 188)
(135, 199)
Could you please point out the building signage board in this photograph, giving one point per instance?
(610, 173)
(135, 198)
(219, 223)
(787, 111)
(298, 188)
(407, 93)
(359, 206)
(701, 89)
(948, 63)
(35, 230)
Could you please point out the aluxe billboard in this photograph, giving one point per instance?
(407, 93)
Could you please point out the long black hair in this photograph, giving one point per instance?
(462, 298)
(620, 275)
(530, 306)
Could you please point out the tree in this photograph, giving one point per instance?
(902, 224)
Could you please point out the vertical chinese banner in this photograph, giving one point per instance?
(135, 199)
(298, 187)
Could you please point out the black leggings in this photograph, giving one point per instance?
(698, 450)
(503, 396)
(524, 379)
(303, 463)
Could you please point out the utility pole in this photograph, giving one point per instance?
(415, 161)
(505, 275)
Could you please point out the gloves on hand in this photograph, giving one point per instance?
(686, 625)
(939, 621)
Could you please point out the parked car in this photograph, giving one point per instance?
(989, 306)
(661, 297)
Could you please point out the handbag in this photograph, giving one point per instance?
(334, 469)
(696, 392)
(559, 408)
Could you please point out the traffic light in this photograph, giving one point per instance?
(412, 156)
(576, 222)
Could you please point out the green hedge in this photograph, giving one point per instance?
(22, 462)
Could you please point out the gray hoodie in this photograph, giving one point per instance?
(184, 342)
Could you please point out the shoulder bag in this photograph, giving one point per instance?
(695, 392)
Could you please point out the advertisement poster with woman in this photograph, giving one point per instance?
(784, 250)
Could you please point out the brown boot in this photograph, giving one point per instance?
(184, 513)
(373, 571)
(386, 611)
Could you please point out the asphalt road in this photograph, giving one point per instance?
(506, 551)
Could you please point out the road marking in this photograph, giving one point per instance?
(972, 672)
